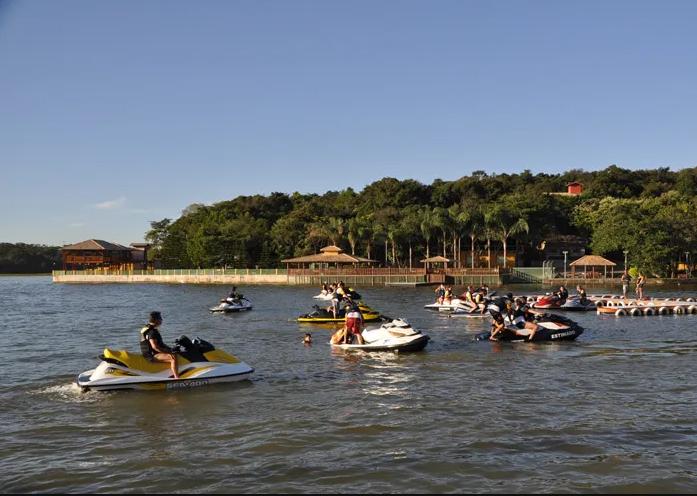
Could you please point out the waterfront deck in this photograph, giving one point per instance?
(305, 277)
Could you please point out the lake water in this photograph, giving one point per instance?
(614, 411)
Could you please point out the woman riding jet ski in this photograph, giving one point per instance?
(549, 327)
(397, 336)
(322, 315)
(199, 363)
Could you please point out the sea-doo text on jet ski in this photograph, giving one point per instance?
(200, 364)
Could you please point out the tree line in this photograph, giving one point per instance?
(22, 258)
(650, 213)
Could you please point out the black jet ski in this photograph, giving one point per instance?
(551, 328)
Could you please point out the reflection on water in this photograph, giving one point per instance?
(614, 411)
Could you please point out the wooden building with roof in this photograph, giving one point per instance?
(329, 256)
(592, 261)
(99, 254)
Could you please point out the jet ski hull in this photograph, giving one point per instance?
(416, 344)
(322, 316)
(397, 336)
(551, 329)
(232, 307)
(456, 305)
(540, 336)
(162, 383)
(331, 320)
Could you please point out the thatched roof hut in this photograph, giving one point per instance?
(329, 255)
(591, 261)
(436, 260)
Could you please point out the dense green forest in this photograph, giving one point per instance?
(21, 258)
(650, 213)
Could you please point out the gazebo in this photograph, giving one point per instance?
(591, 261)
(329, 255)
(436, 260)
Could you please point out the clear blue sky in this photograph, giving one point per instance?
(113, 114)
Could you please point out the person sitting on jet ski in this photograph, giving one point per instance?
(582, 297)
(524, 317)
(562, 294)
(354, 322)
(448, 296)
(153, 348)
(353, 294)
(499, 326)
(234, 296)
(469, 297)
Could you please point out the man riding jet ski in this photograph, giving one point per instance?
(199, 364)
(397, 336)
(228, 305)
(234, 302)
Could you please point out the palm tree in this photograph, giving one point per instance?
(507, 223)
(335, 229)
(365, 232)
(410, 228)
(471, 218)
(427, 225)
(353, 233)
(395, 233)
(442, 221)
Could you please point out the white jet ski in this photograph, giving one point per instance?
(397, 336)
(455, 304)
(228, 305)
(324, 295)
(199, 363)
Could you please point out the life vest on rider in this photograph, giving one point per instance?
(146, 334)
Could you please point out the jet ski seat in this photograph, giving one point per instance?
(139, 362)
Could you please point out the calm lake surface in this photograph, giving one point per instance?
(615, 411)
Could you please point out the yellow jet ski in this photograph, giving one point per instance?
(322, 316)
(199, 363)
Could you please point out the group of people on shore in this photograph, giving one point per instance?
(638, 285)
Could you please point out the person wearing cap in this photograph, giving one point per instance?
(153, 348)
